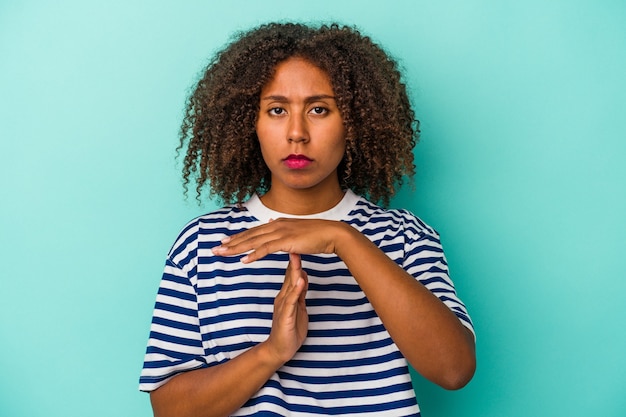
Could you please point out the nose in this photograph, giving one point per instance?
(298, 129)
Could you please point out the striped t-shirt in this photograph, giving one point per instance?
(210, 309)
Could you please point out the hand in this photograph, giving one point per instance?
(301, 236)
(290, 321)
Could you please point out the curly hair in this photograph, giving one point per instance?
(218, 130)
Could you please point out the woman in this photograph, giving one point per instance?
(302, 297)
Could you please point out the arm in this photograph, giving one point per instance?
(218, 390)
(425, 330)
(224, 388)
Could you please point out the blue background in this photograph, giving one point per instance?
(521, 168)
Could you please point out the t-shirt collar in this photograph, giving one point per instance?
(256, 207)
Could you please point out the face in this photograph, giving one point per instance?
(300, 129)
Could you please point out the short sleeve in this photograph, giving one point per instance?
(175, 342)
(426, 261)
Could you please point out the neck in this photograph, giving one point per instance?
(302, 202)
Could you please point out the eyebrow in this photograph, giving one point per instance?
(307, 100)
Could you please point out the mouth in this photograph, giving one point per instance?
(297, 161)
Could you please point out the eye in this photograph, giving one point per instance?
(319, 110)
(276, 111)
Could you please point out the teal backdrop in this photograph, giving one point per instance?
(521, 168)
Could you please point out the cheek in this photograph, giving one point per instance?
(267, 133)
(341, 135)
(269, 153)
(341, 143)
(265, 152)
(262, 135)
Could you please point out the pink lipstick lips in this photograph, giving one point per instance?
(297, 161)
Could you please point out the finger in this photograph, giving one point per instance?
(294, 268)
(295, 279)
(305, 288)
(293, 296)
(258, 247)
(284, 290)
(238, 243)
(249, 234)
(261, 251)
(295, 261)
(286, 306)
(261, 246)
(262, 242)
(291, 274)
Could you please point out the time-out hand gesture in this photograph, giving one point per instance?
(301, 236)
(290, 321)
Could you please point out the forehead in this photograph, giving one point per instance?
(298, 75)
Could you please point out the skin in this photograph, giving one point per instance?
(298, 116)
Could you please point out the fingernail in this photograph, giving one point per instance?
(226, 239)
(244, 259)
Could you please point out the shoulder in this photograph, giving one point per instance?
(369, 216)
(209, 228)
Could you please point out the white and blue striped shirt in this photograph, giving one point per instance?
(210, 309)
